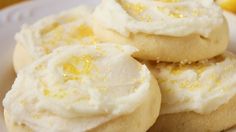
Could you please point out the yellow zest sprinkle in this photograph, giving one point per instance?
(82, 31)
(50, 28)
(177, 70)
(60, 94)
(184, 84)
(86, 62)
(46, 92)
(176, 12)
(46, 50)
(56, 94)
(68, 78)
(135, 9)
(215, 78)
(58, 34)
(190, 85)
(176, 15)
(70, 68)
(147, 18)
(100, 50)
(199, 69)
(218, 81)
(40, 67)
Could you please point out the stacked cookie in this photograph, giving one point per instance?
(68, 80)
(186, 41)
(104, 70)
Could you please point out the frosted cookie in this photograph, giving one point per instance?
(164, 30)
(49, 33)
(199, 97)
(97, 88)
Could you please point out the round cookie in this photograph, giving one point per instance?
(197, 97)
(46, 96)
(21, 58)
(49, 33)
(132, 122)
(222, 119)
(184, 31)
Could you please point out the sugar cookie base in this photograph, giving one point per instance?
(189, 48)
(221, 119)
(138, 121)
(21, 58)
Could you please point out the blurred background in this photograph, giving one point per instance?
(229, 5)
(6, 3)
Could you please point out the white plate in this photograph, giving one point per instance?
(13, 17)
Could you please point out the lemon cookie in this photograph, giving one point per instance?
(164, 30)
(96, 88)
(229, 5)
(49, 33)
(198, 97)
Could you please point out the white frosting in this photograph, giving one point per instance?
(201, 87)
(77, 88)
(58, 30)
(160, 17)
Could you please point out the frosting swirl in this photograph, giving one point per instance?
(66, 28)
(200, 87)
(159, 17)
(77, 88)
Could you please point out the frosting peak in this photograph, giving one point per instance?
(49, 33)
